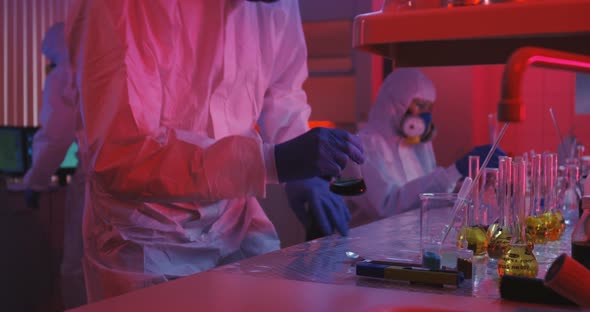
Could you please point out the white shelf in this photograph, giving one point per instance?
(485, 34)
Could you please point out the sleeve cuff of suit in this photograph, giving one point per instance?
(268, 151)
(453, 174)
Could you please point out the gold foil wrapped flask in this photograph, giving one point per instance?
(519, 260)
(499, 233)
(474, 232)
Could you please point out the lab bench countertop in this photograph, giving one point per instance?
(318, 276)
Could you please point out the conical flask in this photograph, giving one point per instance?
(519, 260)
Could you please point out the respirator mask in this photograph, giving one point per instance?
(416, 125)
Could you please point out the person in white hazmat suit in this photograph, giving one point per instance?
(50, 145)
(400, 162)
(170, 95)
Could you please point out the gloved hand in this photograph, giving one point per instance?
(482, 151)
(318, 152)
(32, 199)
(324, 208)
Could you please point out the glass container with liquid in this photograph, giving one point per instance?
(474, 231)
(553, 215)
(350, 182)
(519, 260)
(570, 195)
(499, 233)
(489, 208)
(537, 224)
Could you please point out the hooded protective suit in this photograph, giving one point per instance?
(50, 145)
(396, 172)
(170, 94)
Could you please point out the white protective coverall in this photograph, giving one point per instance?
(50, 145)
(171, 92)
(396, 172)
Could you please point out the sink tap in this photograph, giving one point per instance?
(511, 107)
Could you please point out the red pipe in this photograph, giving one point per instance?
(511, 107)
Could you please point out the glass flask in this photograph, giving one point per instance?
(581, 235)
(499, 233)
(570, 195)
(350, 182)
(474, 231)
(537, 223)
(519, 260)
(553, 215)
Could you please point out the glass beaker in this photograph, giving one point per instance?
(435, 218)
(350, 182)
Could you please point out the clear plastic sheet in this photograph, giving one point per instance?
(395, 239)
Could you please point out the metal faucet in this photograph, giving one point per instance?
(511, 107)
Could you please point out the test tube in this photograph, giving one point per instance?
(489, 208)
(501, 186)
(473, 173)
(536, 185)
(548, 177)
(508, 191)
(499, 233)
(519, 182)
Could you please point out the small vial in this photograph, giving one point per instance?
(465, 262)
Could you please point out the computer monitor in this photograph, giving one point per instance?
(68, 165)
(70, 162)
(12, 151)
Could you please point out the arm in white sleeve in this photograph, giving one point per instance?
(285, 111)
(387, 198)
(132, 154)
(57, 132)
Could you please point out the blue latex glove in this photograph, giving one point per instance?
(481, 151)
(318, 152)
(327, 209)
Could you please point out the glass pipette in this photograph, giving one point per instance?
(461, 201)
